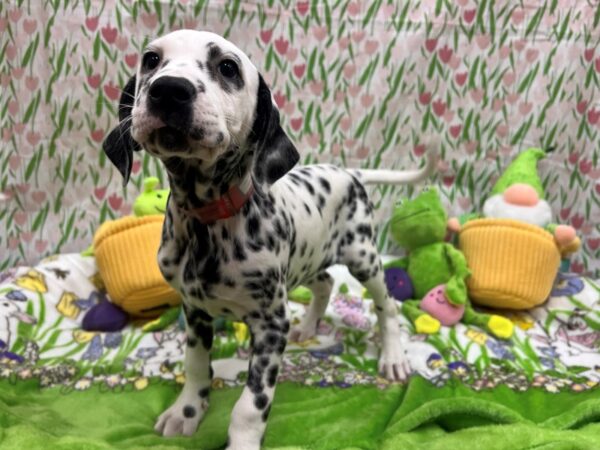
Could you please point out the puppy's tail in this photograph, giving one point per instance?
(383, 176)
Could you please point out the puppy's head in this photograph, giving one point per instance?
(197, 96)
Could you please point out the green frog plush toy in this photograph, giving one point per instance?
(437, 269)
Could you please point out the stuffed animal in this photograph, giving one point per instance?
(436, 268)
(125, 251)
(513, 249)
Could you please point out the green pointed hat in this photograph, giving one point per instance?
(522, 170)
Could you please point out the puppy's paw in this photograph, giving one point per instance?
(302, 332)
(393, 363)
(181, 419)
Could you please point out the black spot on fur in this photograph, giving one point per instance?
(189, 411)
(272, 375)
(260, 401)
(203, 393)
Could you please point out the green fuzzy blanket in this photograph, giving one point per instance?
(362, 417)
(64, 388)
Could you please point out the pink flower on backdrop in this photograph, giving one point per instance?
(265, 36)
(14, 15)
(299, 70)
(517, 16)
(345, 123)
(291, 54)
(454, 62)
(469, 15)
(97, 135)
(115, 202)
(362, 152)
(471, 147)
(302, 7)
(29, 25)
(112, 91)
(313, 139)
(349, 143)
(354, 89)
(319, 32)
(122, 43)
(336, 149)
(18, 72)
(3, 24)
(136, 166)
(38, 196)
(279, 99)
(344, 42)
(445, 53)
(296, 123)
(14, 161)
(431, 44)
(40, 245)
(281, 45)
(20, 218)
(439, 107)
(93, 80)
(483, 41)
(289, 108)
(11, 52)
(349, 70)
(31, 82)
(588, 54)
(460, 78)
(27, 236)
(419, 150)
(109, 34)
(91, 23)
(316, 87)
(353, 9)
(33, 137)
(455, 130)
(100, 193)
(150, 20)
(448, 116)
(358, 35)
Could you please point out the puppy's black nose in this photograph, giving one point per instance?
(170, 94)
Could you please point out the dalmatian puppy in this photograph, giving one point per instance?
(243, 226)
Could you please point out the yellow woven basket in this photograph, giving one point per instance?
(513, 264)
(126, 253)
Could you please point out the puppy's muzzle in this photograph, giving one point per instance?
(171, 100)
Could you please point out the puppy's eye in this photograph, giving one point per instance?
(228, 68)
(150, 61)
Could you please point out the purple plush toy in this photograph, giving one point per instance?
(398, 283)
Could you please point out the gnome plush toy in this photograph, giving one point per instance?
(513, 250)
(519, 195)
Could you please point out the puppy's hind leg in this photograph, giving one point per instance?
(321, 288)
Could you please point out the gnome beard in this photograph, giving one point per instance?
(498, 208)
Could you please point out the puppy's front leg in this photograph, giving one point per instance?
(186, 413)
(269, 337)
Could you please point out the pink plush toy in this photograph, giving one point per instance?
(437, 305)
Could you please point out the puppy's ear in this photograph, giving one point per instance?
(276, 155)
(119, 145)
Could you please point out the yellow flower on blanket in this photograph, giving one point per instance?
(140, 384)
(523, 321)
(180, 378)
(67, 306)
(240, 331)
(476, 336)
(33, 281)
(82, 337)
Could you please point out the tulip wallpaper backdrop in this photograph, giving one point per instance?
(359, 83)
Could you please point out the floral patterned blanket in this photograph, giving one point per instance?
(555, 346)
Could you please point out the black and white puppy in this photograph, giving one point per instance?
(242, 227)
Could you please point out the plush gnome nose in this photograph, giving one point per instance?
(521, 194)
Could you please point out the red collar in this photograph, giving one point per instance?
(224, 207)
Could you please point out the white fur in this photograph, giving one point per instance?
(496, 207)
